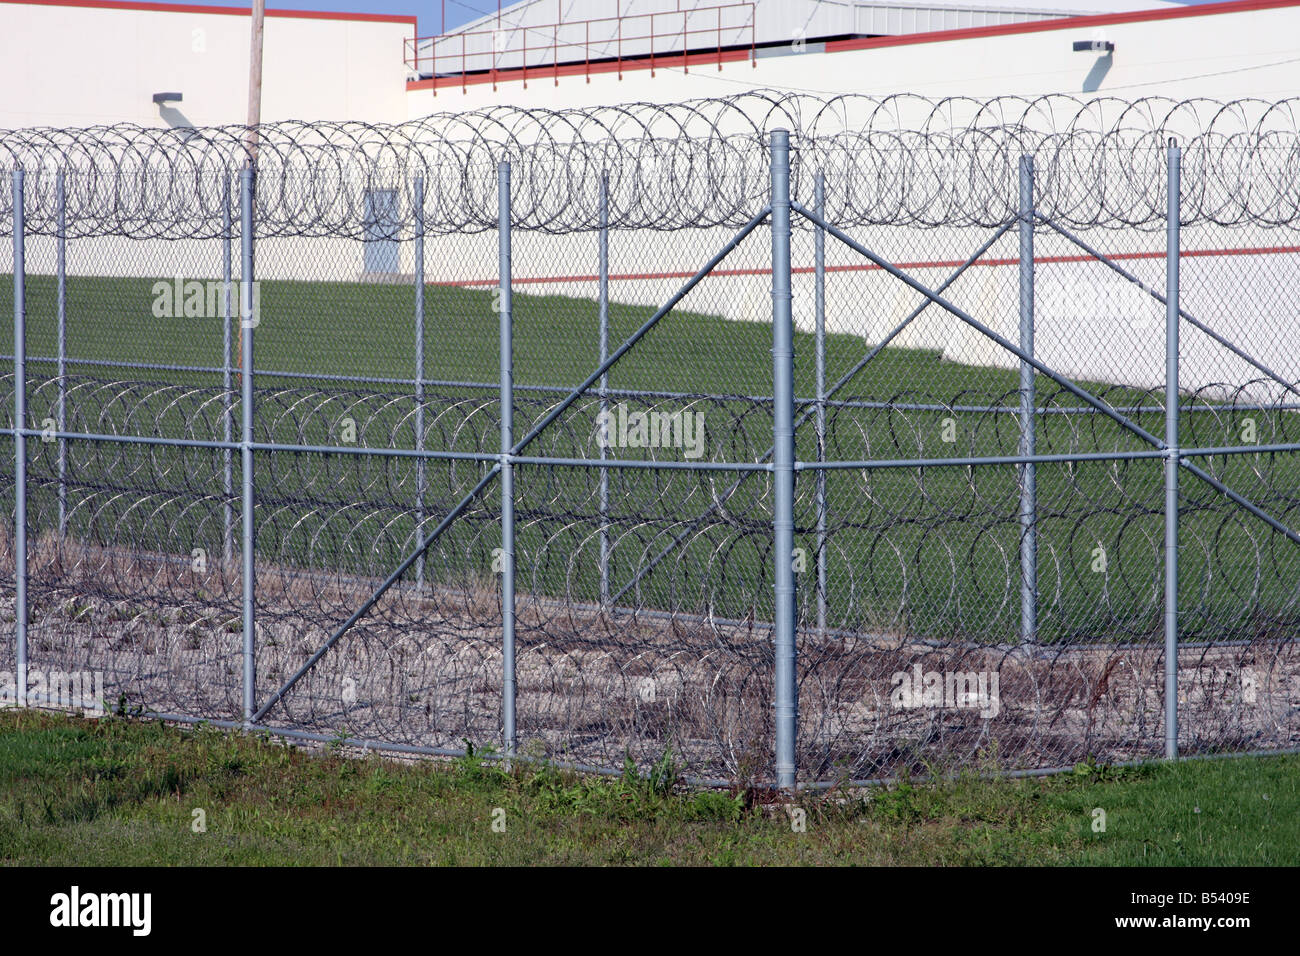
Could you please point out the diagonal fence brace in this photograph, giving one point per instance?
(519, 446)
(1239, 499)
(1065, 383)
(809, 412)
(371, 601)
(1160, 297)
(1219, 486)
(979, 326)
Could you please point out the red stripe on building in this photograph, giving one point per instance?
(872, 267)
(219, 11)
(703, 58)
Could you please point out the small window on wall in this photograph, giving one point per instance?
(381, 228)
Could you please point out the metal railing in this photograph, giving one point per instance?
(650, 39)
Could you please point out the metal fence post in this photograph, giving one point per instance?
(1172, 462)
(418, 198)
(61, 270)
(819, 304)
(228, 417)
(20, 440)
(507, 466)
(786, 705)
(248, 322)
(603, 296)
(1028, 409)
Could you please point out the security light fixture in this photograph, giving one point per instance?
(1094, 46)
(161, 98)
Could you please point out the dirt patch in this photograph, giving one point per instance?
(424, 668)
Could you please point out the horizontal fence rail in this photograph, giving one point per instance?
(790, 442)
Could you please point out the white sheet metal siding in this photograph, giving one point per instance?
(540, 32)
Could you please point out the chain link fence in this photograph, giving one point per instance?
(839, 441)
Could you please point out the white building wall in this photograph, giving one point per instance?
(1227, 55)
(541, 31)
(1088, 326)
(1084, 330)
(84, 66)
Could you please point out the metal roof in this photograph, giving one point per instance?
(541, 32)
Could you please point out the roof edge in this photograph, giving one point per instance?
(219, 11)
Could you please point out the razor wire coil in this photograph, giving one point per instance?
(900, 160)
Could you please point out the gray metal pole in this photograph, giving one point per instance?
(227, 378)
(786, 704)
(545, 422)
(247, 323)
(1172, 247)
(604, 385)
(61, 268)
(507, 468)
(418, 198)
(819, 296)
(1028, 404)
(20, 441)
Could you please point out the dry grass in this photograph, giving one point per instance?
(425, 668)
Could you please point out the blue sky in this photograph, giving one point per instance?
(429, 11)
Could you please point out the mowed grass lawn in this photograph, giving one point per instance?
(121, 792)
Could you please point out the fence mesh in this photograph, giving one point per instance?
(979, 540)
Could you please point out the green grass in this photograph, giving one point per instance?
(925, 552)
(119, 792)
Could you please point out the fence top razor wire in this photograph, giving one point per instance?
(900, 159)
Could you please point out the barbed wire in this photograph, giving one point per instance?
(900, 159)
(643, 601)
(924, 567)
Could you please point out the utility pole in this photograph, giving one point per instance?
(254, 117)
(255, 78)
